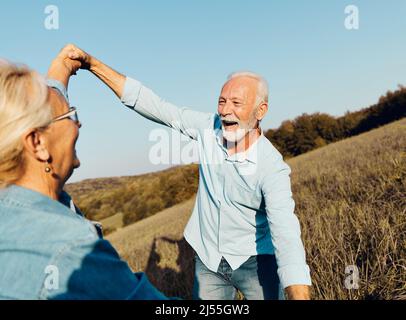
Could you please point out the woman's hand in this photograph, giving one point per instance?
(63, 67)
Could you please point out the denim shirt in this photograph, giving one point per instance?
(48, 251)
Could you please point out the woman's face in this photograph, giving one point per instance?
(61, 140)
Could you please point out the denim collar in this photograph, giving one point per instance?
(23, 197)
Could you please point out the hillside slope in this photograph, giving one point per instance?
(155, 245)
(350, 199)
(135, 197)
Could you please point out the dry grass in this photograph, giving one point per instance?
(112, 223)
(155, 245)
(350, 199)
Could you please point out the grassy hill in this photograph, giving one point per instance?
(124, 200)
(350, 199)
(155, 245)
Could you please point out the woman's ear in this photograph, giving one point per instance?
(34, 144)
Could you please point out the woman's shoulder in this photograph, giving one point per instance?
(34, 234)
(29, 218)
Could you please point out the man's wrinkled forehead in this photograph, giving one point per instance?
(240, 86)
(57, 101)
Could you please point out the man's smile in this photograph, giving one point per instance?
(230, 125)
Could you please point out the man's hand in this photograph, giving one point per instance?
(74, 53)
(113, 79)
(298, 292)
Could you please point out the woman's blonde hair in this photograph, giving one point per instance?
(23, 106)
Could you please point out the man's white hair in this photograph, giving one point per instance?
(262, 88)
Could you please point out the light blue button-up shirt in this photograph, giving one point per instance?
(244, 204)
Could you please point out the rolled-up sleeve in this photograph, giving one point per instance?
(145, 102)
(284, 226)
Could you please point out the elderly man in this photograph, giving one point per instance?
(243, 227)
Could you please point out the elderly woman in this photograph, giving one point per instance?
(47, 249)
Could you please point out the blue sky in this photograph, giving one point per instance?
(184, 50)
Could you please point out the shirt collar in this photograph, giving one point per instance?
(250, 155)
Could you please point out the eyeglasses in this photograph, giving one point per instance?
(71, 114)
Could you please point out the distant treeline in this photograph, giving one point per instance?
(311, 131)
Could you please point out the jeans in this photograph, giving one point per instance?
(257, 279)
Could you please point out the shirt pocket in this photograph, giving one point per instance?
(236, 232)
(244, 194)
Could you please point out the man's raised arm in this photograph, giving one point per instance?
(113, 79)
(141, 99)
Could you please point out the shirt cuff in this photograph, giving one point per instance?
(294, 275)
(52, 83)
(131, 93)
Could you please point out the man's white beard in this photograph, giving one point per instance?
(234, 136)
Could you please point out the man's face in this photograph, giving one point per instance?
(62, 137)
(236, 107)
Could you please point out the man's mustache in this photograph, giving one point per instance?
(225, 119)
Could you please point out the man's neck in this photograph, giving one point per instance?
(244, 144)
